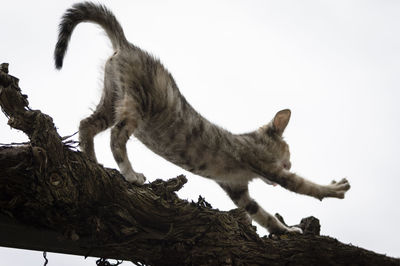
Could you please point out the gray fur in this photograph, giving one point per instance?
(140, 97)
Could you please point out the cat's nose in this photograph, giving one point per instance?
(287, 165)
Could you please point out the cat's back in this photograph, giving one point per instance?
(137, 74)
(168, 124)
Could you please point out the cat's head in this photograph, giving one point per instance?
(272, 151)
(274, 130)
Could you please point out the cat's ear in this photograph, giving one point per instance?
(280, 121)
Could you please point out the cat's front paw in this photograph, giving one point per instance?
(285, 230)
(294, 230)
(133, 177)
(338, 189)
(282, 228)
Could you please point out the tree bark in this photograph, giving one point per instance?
(53, 198)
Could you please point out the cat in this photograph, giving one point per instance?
(140, 97)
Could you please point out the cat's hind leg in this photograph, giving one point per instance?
(239, 194)
(127, 120)
(100, 120)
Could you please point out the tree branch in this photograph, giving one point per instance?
(53, 198)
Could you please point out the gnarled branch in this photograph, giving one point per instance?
(53, 198)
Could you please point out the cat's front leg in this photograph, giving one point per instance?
(298, 184)
(240, 196)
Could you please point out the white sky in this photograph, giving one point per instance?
(335, 64)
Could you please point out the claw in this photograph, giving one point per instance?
(296, 230)
(338, 189)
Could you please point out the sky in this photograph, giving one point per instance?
(335, 64)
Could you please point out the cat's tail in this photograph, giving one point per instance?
(87, 12)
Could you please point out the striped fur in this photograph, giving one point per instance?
(140, 97)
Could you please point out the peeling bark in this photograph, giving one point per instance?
(66, 203)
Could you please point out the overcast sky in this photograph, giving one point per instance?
(335, 64)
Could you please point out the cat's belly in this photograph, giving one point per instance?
(197, 158)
